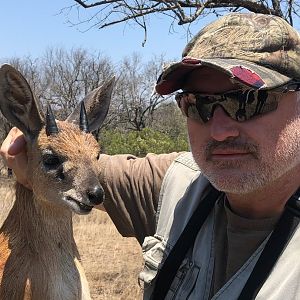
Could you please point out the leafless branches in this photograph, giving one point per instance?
(62, 78)
(110, 12)
(136, 101)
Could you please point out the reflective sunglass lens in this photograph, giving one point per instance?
(239, 105)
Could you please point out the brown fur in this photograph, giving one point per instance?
(38, 254)
(39, 258)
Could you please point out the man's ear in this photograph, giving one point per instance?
(96, 104)
(17, 102)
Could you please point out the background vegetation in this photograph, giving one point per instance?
(139, 121)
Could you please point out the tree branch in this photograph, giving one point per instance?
(112, 12)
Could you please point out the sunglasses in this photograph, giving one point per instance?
(240, 105)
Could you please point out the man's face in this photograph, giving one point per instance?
(242, 157)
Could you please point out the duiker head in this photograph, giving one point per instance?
(62, 155)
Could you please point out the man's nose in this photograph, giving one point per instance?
(223, 126)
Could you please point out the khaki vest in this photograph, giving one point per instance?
(182, 189)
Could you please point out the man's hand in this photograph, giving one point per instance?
(13, 151)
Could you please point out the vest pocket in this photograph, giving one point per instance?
(153, 253)
(184, 281)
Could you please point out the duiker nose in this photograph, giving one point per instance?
(96, 194)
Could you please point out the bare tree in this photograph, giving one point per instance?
(134, 100)
(62, 78)
(105, 13)
(71, 75)
(169, 120)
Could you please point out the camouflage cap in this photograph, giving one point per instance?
(256, 50)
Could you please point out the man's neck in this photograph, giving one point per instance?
(266, 202)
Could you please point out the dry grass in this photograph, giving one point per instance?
(111, 262)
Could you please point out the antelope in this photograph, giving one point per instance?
(39, 259)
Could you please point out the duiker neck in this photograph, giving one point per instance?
(39, 225)
(40, 250)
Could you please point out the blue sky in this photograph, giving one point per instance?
(29, 27)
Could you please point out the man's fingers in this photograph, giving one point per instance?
(17, 146)
(13, 150)
(13, 144)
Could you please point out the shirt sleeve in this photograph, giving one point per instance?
(132, 187)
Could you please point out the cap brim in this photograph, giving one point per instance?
(243, 72)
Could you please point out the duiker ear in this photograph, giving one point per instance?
(96, 104)
(17, 102)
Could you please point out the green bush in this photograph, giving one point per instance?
(140, 143)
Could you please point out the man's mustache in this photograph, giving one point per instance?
(231, 144)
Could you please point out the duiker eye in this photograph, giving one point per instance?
(51, 161)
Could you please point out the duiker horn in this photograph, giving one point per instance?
(83, 119)
(51, 126)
